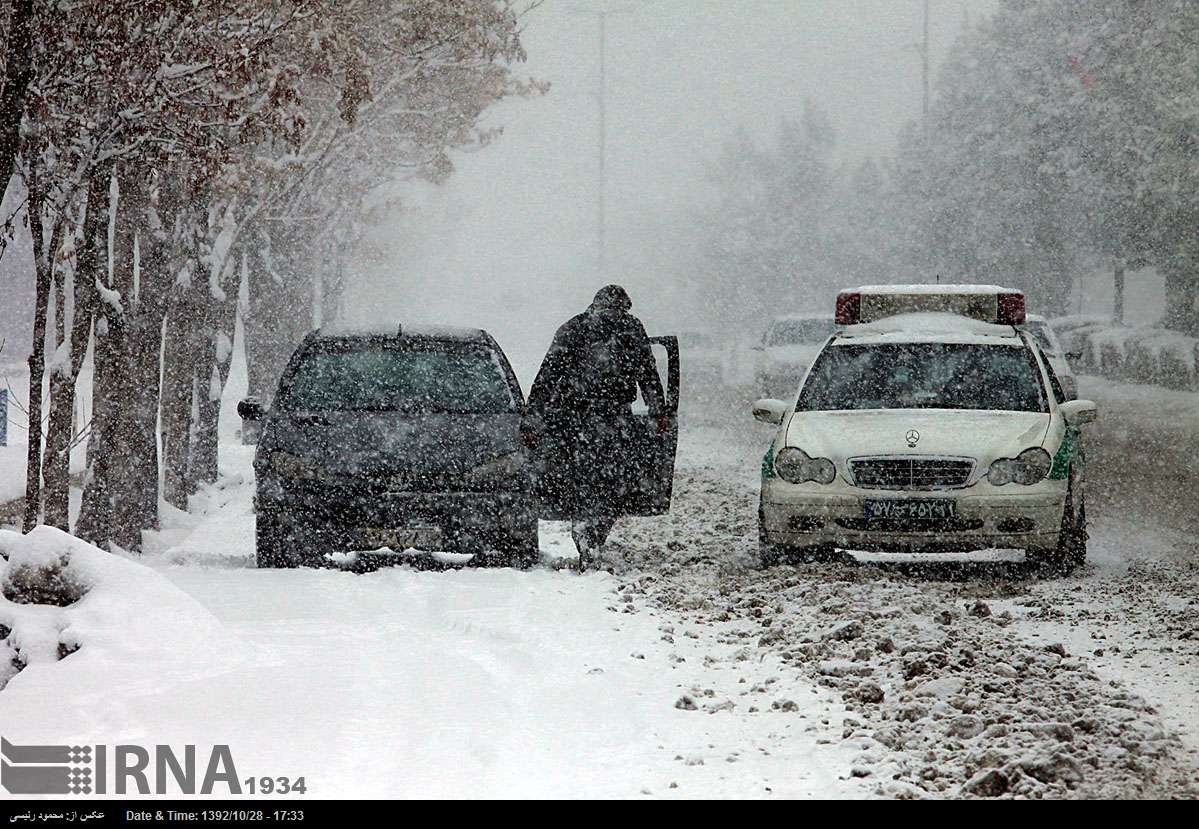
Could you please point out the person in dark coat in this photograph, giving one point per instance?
(579, 415)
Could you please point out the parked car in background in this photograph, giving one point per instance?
(788, 347)
(1048, 340)
(706, 357)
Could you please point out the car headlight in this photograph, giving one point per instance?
(498, 469)
(293, 466)
(795, 466)
(1029, 467)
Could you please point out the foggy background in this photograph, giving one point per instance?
(509, 243)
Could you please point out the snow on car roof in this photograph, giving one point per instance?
(937, 288)
(929, 326)
(432, 332)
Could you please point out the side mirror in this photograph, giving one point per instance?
(1078, 412)
(251, 409)
(769, 410)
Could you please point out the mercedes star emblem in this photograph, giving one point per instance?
(912, 437)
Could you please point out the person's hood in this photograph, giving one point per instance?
(611, 298)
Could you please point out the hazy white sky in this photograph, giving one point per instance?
(510, 243)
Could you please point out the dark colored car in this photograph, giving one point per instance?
(405, 439)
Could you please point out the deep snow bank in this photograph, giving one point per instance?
(77, 623)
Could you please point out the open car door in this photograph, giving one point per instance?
(654, 484)
(651, 453)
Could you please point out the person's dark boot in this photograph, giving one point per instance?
(581, 533)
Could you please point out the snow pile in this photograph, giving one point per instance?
(113, 623)
(1137, 626)
(1145, 355)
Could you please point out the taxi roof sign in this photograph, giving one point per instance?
(986, 303)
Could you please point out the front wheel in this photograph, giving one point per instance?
(768, 554)
(268, 541)
(520, 550)
(275, 547)
(1071, 550)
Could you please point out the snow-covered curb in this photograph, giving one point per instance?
(1156, 356)
(122, 628)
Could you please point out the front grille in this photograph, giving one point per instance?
(911, 473)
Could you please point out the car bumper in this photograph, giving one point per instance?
(985, 517)
(462, 521)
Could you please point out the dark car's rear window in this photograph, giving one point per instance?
(400, 376)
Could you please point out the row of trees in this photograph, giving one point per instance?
(791, 221)
(1063, 135)
(170, 152)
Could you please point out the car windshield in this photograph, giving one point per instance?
(384, 377)
(797, 332)
(923, 376)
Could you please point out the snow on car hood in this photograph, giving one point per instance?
(983, 435)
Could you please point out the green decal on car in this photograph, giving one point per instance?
(1060, 467)
(768, 462)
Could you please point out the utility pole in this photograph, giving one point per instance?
(601, 190)
(602, 211)
(924, 72)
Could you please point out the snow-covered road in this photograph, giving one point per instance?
(687, 671)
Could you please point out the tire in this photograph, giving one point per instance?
(1077, 545)
(275, 549)
(1071, 550)
(520, 551)
(772, 555)
(268, 541)
(769, 555)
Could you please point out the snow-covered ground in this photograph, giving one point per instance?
(686, 671)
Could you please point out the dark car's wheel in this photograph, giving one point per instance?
(268, 541)
(275, 547)
(1071, 550)
(519, 549)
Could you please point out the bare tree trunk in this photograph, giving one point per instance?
(131, 371)
(37, 355)
(18, 73)
(138, 507)
(179, 359)
(1118, 309)
(181, 355)
(212, 372)
(56, 467)
(96, 514)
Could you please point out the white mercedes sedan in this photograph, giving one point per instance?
(926, 432)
